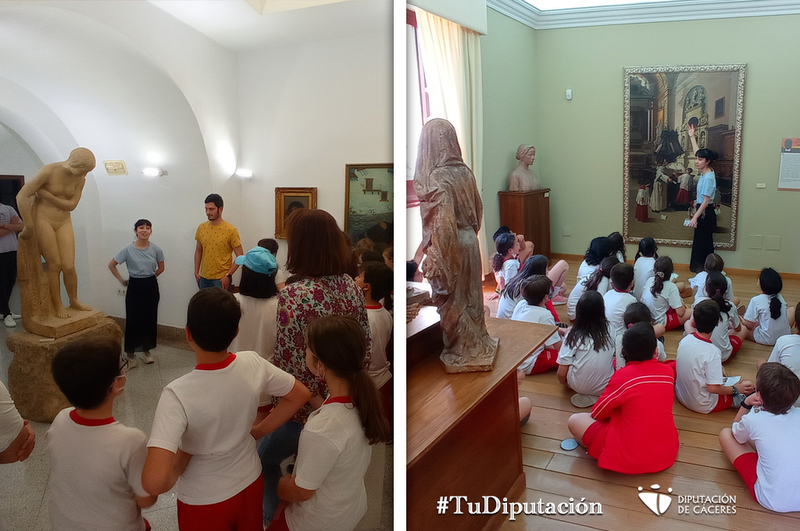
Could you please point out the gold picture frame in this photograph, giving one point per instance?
(368, 199)
(286, 201)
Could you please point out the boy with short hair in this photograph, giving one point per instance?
(203, 435)
(699, 379)
(95, 462)
(631, 428)
(618, 299)
(761, 444)
(532, 309)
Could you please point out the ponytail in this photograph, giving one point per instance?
(502, 245)
(662, 271)
(771, 284)
(340, 344)
(716, 287)
(603, 271)
(774, 306)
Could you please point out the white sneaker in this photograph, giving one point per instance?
(132, 364)
(9, 321)
(148, 358)
(16, 315)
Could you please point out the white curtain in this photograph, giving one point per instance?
(451, 57)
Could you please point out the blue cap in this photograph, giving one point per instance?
(259, 260)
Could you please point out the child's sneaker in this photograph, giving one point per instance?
(558, 300)
(148, 358)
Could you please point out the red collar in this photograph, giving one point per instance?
(376, 307)
(338, 400)
(89, 422)
(620, 291)
(216, 366)
(698, 336)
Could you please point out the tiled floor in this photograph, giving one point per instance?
(24, 497)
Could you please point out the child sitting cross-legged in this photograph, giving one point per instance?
(95, 462)
(699, 381)
(762, 443)
(638, 312)
(787, 352)
(618, 299)
(532, 309)
(207, 422)
(631, 428)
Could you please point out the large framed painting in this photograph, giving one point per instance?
(369, 202)
(660, 177)
(287, 200)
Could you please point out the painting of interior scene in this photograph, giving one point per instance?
(661, 177)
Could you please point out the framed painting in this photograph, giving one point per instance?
(369, 202)
(659, 174)
(287, 200)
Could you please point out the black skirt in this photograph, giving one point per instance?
(141, 309)
(703, 244)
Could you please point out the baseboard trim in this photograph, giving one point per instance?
(172, 336)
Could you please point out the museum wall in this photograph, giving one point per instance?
(306, 111)
(579, 142)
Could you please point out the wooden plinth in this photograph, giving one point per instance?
(464, 436)
(528, 213)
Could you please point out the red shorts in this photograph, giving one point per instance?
(594, 438)
(745, 465)
(673, 321)
(736, 343)
(545, 361)
(279, 521)
(724, 402)
(146, 525)
(242, 512)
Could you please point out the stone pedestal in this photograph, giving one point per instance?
(30, 381)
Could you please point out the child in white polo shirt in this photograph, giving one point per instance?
(762, 443)
(532, 309)
(787, 352)
(619, 298)
(95, 462)
(663, 297)
(207, 422)
(699, 379)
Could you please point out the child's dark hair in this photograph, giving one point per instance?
(534, 265)
(604, 270)
(590, 321)
(713, 262)
(716, 287)
(535, 289)
(501, 230)
(339, 342)
(771, 284)
(598, 249)
(637, 312)
(411, 270)
(778, 386)
(85, 369)
(639, 343)
(647, 248)
(706, 316)
(213, 319)
(369, 255)
(257, 285)
(502, 244)
(621, 276)
(662, 271)
(381, 280)
(269, 244)
(617, 244)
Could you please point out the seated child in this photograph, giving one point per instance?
(724, 336)
(713, 263)
(512, 293)
(766, 317)
(618, 299)
(532, 310)
(638, 312)
(325, 491)
(643, 265)
(599, 248)
(762, 444)
(95, 462)
(584, 361)
(787, 352)
(631, 428)
(376, 281)
(600, 280)
(200, 417)
(663, 297)
(699, 380)
(505, 263)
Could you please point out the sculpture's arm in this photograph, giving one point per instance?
(64, 203)
(26, 197)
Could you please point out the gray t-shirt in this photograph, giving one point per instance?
(8, 242)
(142, 263)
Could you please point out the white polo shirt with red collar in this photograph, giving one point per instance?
(698, 365)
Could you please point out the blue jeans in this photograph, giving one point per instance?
(209, 283)
(273, 449)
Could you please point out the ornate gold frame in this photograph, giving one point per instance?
(280, 207)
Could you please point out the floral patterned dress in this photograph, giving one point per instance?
(300, 303)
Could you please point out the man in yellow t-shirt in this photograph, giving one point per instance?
(216, 240)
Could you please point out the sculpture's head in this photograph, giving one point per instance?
(526, 154)
(81, 160)
(438, 146)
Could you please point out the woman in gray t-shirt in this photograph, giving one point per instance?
(145, 261)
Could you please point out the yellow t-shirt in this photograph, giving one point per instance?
(218, 243)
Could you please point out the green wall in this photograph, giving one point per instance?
(579, 142)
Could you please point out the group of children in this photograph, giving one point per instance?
(613, 358)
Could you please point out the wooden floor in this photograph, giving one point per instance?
(555, 475)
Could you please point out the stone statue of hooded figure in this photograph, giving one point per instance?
(451, 210)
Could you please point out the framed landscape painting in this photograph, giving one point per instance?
(369, 202)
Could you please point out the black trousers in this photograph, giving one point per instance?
(8, 276)
(141, 314)
(703, 243)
